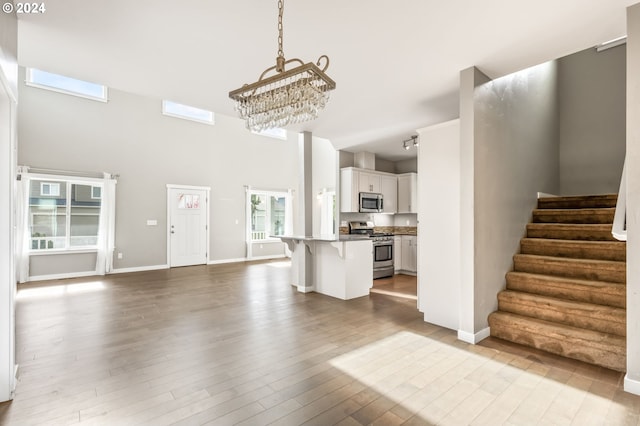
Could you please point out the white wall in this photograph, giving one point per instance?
(514, 147)
(324, 178)
(129, 136)
(632, 380)
(8, 99)
(591, 94)
(439, 224)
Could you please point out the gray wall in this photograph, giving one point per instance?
(632, 382)
(346, 159)
(129, 136)
(62, 264)
(515, 154)
(407, 166)
(385, 165)
(591, 93)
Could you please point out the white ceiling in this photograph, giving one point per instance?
(396, 64)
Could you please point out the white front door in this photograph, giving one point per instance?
(188, 225)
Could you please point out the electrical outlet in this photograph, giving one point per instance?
(119, 255)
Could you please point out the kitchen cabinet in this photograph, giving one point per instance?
(353, 181)
(409, 253)
(407, 193)
(389, 191)
(368, 182)
(397, 253)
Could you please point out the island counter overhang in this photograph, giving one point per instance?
(339, 268)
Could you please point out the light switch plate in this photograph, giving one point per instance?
(152, 222)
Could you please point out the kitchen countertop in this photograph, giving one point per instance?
(327, 238)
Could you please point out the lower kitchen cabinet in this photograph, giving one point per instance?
(407, 254)
(397, 253)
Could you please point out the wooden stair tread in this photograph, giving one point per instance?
(601, 292)
(603, 250)
(592, 269)
(582, 231)
(554, 259)
(588, 215)
(585, 315)
(594, 347)
(578, 201)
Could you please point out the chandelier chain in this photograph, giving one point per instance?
(280, 11)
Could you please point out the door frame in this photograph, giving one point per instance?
(207, 189)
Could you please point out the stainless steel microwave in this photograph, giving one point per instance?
(370, 203)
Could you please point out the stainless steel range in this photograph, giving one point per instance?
(382, 248)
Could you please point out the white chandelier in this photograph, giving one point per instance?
(288, 97)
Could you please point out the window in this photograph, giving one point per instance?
(67, 85)
(186, 112)
(49, 189)
(268, 214)
(64, 215)
(276, 133)
(96, 192)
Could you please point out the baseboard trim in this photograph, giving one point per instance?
(474, 338)
(275, 256)
(16, 377)
(631, 386)
(139, 269)
(303, 289)
(246, 259)
(221, 261)
(62, 276)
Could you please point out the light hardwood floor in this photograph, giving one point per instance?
(400, 285)
(236, 344)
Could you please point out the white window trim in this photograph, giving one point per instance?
(210, 121)
(105, 90)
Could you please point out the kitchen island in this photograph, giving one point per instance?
(339, 268)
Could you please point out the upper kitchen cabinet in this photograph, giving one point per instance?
(389, 191)
(368, 182)
(349, 190)
(408, 193)
(353, 181)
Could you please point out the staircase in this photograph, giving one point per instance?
(567, 292)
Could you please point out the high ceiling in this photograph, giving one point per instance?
(396, 64)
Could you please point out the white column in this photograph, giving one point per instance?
(302, 258)
(470, 78)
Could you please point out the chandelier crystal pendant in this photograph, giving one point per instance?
(288, 97)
